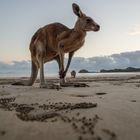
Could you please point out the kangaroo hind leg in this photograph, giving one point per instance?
(34, 72)
(40, 58)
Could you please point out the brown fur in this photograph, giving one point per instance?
(52, 41)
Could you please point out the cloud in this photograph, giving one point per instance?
(135, 30)
(122, 60)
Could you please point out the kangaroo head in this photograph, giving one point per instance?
(84, 22)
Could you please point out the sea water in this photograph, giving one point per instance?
(24, 73)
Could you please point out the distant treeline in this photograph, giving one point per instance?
(129, 69)
(85, 71)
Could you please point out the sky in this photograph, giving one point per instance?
(119, 21)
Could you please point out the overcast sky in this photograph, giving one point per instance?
(119, 21)
(119, 61)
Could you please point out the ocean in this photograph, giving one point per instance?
(7, 74)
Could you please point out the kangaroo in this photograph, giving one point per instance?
(73, 73)
(52, 41)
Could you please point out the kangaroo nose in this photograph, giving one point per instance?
(98, 27)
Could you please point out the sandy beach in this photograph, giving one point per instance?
(107, 109)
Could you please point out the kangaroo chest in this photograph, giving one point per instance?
(74, 46)
(72, 42)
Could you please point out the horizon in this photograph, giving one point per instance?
(119, 21)
(119, 61)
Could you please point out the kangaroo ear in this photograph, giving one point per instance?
(76, 10)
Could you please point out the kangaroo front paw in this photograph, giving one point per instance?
(64, 74)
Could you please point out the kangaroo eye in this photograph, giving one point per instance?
(88, 20)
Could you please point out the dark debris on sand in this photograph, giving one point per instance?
(39, 117)
(5, 103)
(68, 106)
(110, 133)
(23, 108)
(52, 109)
(82, 125)
(2, 133)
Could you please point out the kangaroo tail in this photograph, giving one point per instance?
(32, 79)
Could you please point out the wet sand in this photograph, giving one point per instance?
(93, 108)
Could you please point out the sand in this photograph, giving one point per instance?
(107, 109)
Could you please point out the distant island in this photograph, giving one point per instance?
(83, 71)
(86, 71)
(129, 69)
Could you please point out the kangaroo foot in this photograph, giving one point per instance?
(62, 81)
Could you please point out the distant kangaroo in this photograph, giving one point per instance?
(73, 73)
(52, 41)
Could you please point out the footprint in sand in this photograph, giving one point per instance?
(133, 101)
(2, 133)
(101, 93)
(83, 96)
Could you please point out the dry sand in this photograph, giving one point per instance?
(109, 109)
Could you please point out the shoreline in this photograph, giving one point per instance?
(54, 75)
